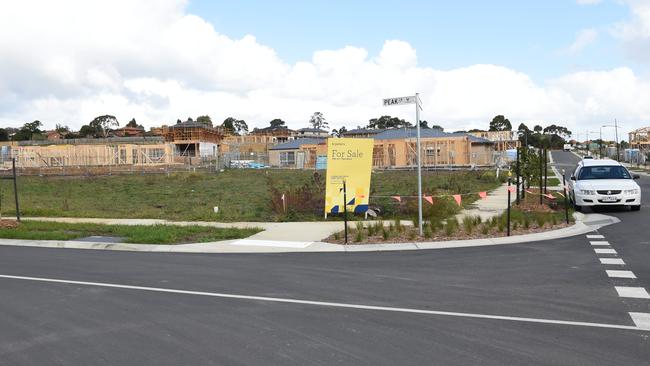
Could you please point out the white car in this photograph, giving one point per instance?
(604, 183)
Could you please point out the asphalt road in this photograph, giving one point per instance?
(528, 287)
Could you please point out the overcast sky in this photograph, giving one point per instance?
(581, 63)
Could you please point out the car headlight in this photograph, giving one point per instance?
(631, 191)
(588, 192)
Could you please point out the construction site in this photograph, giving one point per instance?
(191, 146)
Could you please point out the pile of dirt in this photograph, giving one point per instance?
(8, 224)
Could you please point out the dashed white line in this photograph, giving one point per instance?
(620, 274)
(595, 237)
(604, 251)
(634, 292)
(599, 242)
(642, 320)
(330, 304)
(611, 261)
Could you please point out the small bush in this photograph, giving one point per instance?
(554, 220)
(371, 229)
(358, 237)
(337, 235)
(468, 224)
(526, 223)
(485, 229)
(398, 225)
(412, 235)
(541, 221)
(360, 226)
(428, 233)
(385, 234)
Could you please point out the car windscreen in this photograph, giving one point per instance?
(604, 172)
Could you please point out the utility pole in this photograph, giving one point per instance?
(618, 152)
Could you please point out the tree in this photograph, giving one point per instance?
(339, 132)
(102, 125)
(206, 120)
(62, 129)
(277, 123)
(87, 131)
(132, 123)
(538, 129)
(437, 127)
(500, 123)
(476, 130)
(28, 131)
(237, 126)
(384, 122)
(424, 124)
(4, 135)
(318, 121)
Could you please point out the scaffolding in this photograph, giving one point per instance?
(640, 139)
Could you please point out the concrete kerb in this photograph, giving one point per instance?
(584, 224)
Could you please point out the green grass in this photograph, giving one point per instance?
(144, 234)
(241, 195)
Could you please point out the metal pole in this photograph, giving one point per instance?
(541, 174)
(345, 212)
(545, 171)
(600, 145)
(417, 123)
(618, 152)
(518, 172)
(525, 158)
(13, 166)
(508, 230)
(566, 199)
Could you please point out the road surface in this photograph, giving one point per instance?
(529, 304)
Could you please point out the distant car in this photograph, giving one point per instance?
(567, 147)
(604, 183)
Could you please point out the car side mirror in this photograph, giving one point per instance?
(636, 176)
(573, 177)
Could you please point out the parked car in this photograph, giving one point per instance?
(604, 183)
(567, 147)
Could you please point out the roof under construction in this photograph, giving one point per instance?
(191, 132)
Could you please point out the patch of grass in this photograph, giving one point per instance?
(240, 194)
(143, 234)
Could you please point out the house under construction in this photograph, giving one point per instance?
(640, 139)
(135, 151)
(193, 139)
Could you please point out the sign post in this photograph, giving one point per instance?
(415, 99)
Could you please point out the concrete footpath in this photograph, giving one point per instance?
(584, 224)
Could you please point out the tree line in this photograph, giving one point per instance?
(551, 136)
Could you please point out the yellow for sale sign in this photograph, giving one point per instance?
(348, 160)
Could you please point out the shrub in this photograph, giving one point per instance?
(541, 220)
(412, 235)
(468, 224)
(371, 229)
(359, 236)
(337, 235)
(360, 226)
(385, 234)
(428, 233)
(398, 225)
(526, 223)
(485, 229)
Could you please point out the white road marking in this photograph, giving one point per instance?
(599, 242)
(611, 261)
(330, 304)
(635, 292)
(642, 320)
(595, 237)
(620, 274)
(604, 251)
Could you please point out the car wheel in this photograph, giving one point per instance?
(636, 208)
(577, 208)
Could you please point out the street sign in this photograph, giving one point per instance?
(399, 101)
